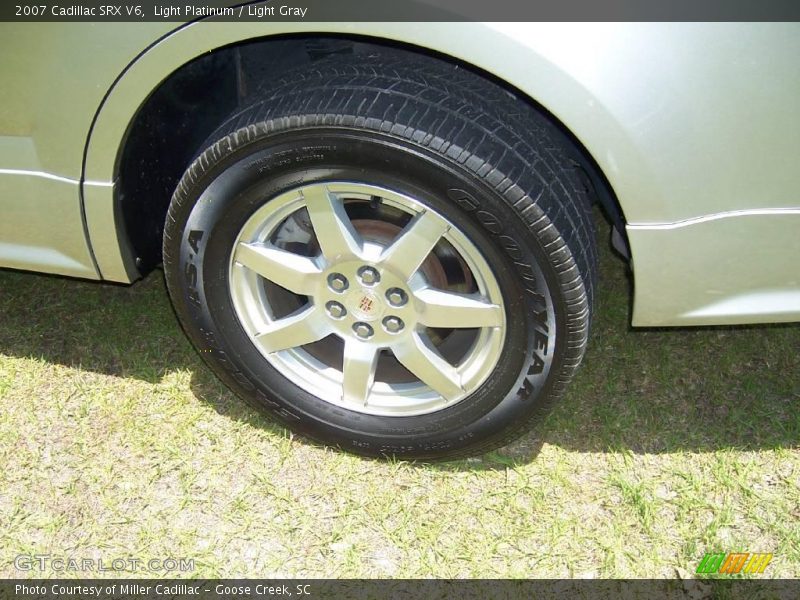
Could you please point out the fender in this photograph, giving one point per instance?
(660, 107)
(530, 71)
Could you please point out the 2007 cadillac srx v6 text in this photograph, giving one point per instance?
(382, 234)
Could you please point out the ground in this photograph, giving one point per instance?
(117, 442)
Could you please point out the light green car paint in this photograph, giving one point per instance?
(53, 78)
(695, 126)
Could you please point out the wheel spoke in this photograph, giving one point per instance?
(335, 233)
(296, 273)
(415, 243)
(303, 327)
(360, 361)
(360, 295)
(419, 356)
(446, 309)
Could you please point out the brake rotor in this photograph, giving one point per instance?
(384, 232)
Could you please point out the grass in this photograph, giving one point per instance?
(117, 442)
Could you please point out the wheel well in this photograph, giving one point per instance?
(171, 126)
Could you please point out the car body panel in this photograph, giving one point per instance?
(695, 126)
(41, 228)
(747, 269)
(46, 111)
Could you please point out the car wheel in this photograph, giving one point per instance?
(394, 257)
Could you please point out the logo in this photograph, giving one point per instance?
(734, 562)
(61, 564)
(365, 304)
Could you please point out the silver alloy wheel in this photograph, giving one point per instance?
(373, 295)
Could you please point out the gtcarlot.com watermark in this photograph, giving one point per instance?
(71, 564)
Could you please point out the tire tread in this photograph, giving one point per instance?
(499, 138)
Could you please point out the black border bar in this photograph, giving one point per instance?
(398, 10)
(380, 589)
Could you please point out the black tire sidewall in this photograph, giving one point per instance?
(240, 177)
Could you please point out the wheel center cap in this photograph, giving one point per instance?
(366, 305)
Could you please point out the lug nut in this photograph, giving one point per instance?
(368, 275)
(393, 324)
(337, 282)
(363, 330)
(335, 310)
(396, 297)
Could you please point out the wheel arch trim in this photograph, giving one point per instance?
(535, 76)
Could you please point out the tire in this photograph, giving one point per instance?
(457, 197)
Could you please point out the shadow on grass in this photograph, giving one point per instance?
(640, 391)
(116, 330)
